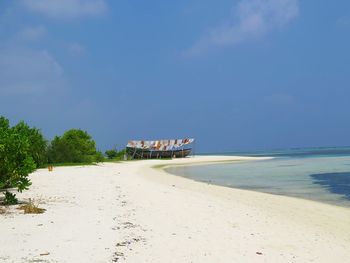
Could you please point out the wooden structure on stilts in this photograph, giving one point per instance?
(175, 148)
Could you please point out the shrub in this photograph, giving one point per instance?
(115, 155)
(16, 161)
(10, 198)
(121, 154)
(75, 146)
(99, 157)
(111, 154)
(38, 144)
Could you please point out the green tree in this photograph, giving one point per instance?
(38, 144)
(99, 157)
(111, 154)
(16, 161)
(120, 154)
(75, 146)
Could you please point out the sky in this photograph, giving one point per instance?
(234, 74)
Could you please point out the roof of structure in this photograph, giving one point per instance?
(164, 145)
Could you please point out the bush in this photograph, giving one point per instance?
(115, 155)
(75, 146)
(16, 161)
(111, 154)
(38, 144)
(99, 157)
(10, 199)
(121, 154)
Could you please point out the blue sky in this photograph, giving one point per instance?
(236, 75)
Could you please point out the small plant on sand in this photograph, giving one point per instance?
(10, 199)
(32, 208)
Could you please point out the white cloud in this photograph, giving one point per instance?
(251, 19)
(32, 33)
(25, 71)
(62, 9)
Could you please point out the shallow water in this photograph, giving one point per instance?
(320, 178)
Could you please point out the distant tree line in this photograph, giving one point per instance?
(24, 148)
(115, 155)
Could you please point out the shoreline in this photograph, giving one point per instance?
(167, 166)
(212, 159)
(163, 170)
(133, 212)
(291, 211)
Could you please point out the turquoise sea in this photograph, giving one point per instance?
(320, 174)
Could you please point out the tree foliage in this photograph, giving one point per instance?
(99, 157)
(74, 146)
(111, 154)
(37, 143)
(115, 155)
(16, 155)
(121, 154)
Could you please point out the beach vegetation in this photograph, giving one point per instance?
(114, 155)
(74, 146)
(121, 154)
(99, 157)
(37, 143)
(10, 198)
(111, 154)
(31, 207)
(16, 160)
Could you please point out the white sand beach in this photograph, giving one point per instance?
(131, 212)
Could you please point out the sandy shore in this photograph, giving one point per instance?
(131, 212)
